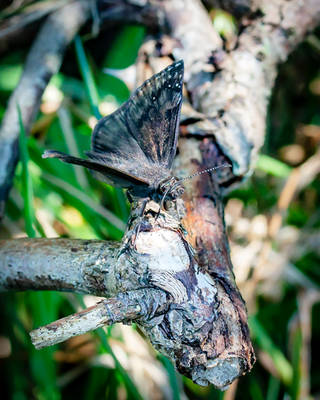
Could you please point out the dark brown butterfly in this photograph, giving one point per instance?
(134, 147)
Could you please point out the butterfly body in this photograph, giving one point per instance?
(134, 147)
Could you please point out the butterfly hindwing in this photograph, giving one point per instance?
(146, 126)
(113, 176)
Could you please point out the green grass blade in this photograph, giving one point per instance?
(27, 190)
(117, 194)
(87, 77)
(298, 376)
(41, 305)
(86, 200)
(172, 376)
(273, 167)
(255, 389)
(273, 388)
(283, 366)
(67, 130)
(132, 389)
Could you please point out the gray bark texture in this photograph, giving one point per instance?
(174, 278)
(152, 278)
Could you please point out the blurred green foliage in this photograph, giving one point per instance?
(78, 206)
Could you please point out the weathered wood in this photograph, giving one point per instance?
(188, 316)
(58, 264)
(125, 308)
(229, 91)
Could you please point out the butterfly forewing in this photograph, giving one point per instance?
(134, 147)
(148, 122)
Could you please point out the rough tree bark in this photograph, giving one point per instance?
(176, 279)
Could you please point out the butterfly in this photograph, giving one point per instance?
(134, 147)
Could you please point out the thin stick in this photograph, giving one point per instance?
(106, 312)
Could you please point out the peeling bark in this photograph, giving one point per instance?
(187, 315)
(229, 90)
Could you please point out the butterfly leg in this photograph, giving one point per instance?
(136, 229)
(162, 201)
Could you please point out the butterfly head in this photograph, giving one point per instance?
(171, 188)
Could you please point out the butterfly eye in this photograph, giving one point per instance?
(177, 190)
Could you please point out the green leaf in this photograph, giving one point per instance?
(273, 388)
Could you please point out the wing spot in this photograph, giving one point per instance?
(169, 85)
(153, 98)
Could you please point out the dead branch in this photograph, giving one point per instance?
(230, 89)
(42, 63)
(58, 264)
(184, 311)
(17, 27)
(125, 308)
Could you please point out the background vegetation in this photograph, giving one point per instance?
(273, 222)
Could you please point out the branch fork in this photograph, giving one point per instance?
(152, 278)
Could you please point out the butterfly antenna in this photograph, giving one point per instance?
(205, 171)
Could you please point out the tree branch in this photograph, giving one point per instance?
(230, 90)
(17, 27)
(58, 264)
(188, 317)
(42, 63)
(125, 308)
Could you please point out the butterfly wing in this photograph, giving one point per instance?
(134, 147)
(96, 163)
(146, 126)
